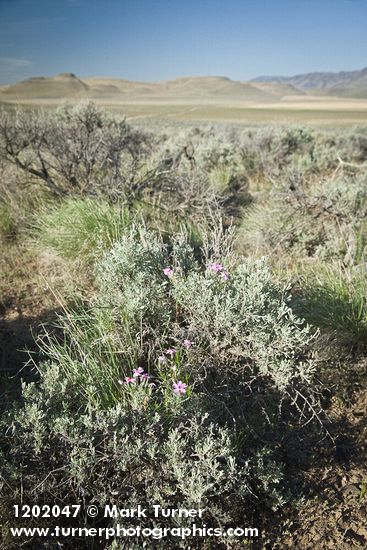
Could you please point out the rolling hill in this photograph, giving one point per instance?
(62, 85)
(207, 88)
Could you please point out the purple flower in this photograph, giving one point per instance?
(224, 275)
(137, 372)
(171, 351)
(188, 343)
(179, 387)
(216, 267)
(168, 272)
(144, 376)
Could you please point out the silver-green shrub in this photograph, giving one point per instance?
(167, 386)
(245, 325)
(114, 456)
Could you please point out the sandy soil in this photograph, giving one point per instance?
(311, 110)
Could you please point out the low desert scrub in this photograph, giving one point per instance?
(154, 293)
(75, 150)
(325, 222)
(83, 151)
(182, 374)
(167, 386)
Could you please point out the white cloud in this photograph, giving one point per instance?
(14, 62)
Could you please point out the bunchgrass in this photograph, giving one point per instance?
(334, 299)
(81, 229)
(91, 356)
(7, 222)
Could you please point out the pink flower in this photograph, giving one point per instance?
(179, 387)
(219, 268)
(171, 351)
(144, 376)
(168, 272)
(188, 344)
(137, 372)
(216, 267)
(129, 380)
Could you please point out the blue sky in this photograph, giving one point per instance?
(162, 39)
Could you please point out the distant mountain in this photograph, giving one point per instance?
(344, 83)
(206, 88)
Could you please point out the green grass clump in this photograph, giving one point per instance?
(334, 299)
(7, 222)
(81, 229)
